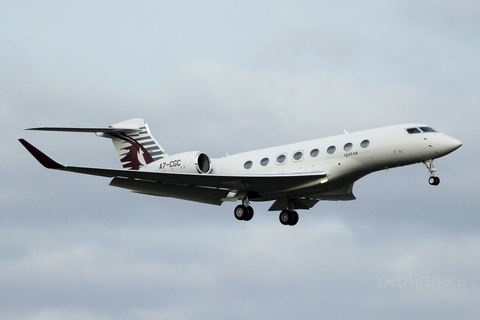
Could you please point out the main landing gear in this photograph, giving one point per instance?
(243, 212)
(434, 181)
(288, 218)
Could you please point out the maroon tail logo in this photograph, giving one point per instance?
(137, 156)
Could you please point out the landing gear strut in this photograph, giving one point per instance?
(434, 181)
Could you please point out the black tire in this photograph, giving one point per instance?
(249, 215)
(437, 181)
(294, 218)
(240, 212)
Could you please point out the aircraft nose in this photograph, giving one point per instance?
(451, 144)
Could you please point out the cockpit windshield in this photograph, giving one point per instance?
(427, 129)
(413, 130)
(420, 130)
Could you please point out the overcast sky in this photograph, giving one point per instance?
(225, 77)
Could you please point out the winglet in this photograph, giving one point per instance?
(45, 160)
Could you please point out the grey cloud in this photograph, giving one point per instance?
(72, 247)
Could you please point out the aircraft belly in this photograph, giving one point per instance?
(340, 189)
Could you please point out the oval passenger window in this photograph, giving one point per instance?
(281, 159)
(298, 156)
(248, 164)
(331, 150)
(365, 143)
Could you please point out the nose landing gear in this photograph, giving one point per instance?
(433, 181)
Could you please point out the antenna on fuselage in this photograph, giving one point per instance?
(345, 131)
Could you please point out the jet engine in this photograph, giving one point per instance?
(187, 162)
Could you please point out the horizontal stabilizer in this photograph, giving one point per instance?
(132, 140)
(90, 130)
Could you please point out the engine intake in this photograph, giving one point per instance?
(203, 163)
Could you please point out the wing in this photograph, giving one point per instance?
(212, 188)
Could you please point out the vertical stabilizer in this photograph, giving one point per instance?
(134, 143)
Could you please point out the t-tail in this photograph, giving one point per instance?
(132, 139)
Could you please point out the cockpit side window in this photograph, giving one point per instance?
(427, 129)
(413, 130)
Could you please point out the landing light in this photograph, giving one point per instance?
(324, 180)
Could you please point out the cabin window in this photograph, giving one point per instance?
(365, 143)
(298, 156)
(248, 164)
(314, 153)
(331, 149)
(427, 129)
(264, 161)
(348, 146)
(282, 158)
(413, 130)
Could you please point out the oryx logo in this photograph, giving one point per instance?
(136, 155)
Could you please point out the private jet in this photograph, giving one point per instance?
(295, 176)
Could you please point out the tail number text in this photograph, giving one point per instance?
(171, 164)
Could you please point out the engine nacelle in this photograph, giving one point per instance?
(187, 162)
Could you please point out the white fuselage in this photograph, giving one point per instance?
(370, 151)
(344, 158)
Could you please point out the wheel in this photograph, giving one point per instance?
(294, 218)
(241, 212)
(434, 181)
(284, 217)
(249, 215)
